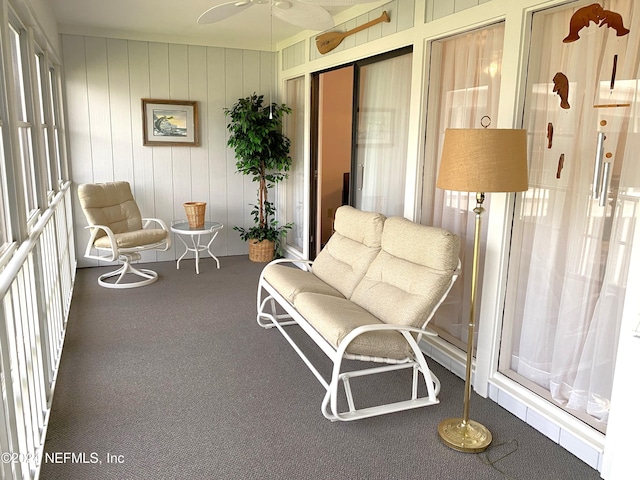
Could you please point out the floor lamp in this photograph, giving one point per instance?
(478, 160)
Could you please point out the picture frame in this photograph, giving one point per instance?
(375, 127)
(170, 123)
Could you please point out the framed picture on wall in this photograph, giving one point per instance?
(170, 123)
(375, 127)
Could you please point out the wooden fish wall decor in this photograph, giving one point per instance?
(560, 166)
(594, 13)
(561, 87)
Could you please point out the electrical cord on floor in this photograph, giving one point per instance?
(484, 457)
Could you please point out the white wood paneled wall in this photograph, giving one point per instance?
(105, 82)
(441, 8)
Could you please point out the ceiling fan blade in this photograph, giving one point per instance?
(303, 15)
(337, 3)
(220, 12)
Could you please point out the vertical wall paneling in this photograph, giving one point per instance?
(105, 82)
(220, 168)
(362, 36)
(405, 11)
(375, 32)
(464, 4)
(100, 111)
(159, 87)
(293, 55)
(268, 83)
(79, 143)
(142, 157)
(197, 68)
(300, 53)
(180, 156)
(234, 80)
(120, 122)
(250, 83)
(348, 42)
(436, 9)
(387, 28)
(442, 9)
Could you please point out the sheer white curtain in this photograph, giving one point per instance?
(464, 87)
(383, 121)
(569, 259)
(294, 185)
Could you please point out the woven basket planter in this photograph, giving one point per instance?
(261, 251)
(195, 213)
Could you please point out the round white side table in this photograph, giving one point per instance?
(182, 229)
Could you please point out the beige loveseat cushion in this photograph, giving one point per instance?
(354, 244)
(410, 274)
(334, 318)
(290, 281)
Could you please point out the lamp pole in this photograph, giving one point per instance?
(463, 434)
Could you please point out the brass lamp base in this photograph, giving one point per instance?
(468, 437)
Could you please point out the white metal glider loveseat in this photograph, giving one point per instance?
(368, 296)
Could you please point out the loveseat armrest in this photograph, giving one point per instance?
(304, 265)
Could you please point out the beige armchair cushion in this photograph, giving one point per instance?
(291, 281)
(334, 318)
(112, 205)
(133, 239)
(356, 241)
(410, 274)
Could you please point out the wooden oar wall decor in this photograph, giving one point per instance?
(330, 40)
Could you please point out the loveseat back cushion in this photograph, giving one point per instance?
(110, 204)
(410, 275)
(354, 244)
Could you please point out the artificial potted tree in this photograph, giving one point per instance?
(262, 151)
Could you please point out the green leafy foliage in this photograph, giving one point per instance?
(261, 151)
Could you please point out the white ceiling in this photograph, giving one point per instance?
(173, 21)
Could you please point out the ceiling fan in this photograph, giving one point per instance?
(308, 14)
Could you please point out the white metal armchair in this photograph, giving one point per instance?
(118, 232)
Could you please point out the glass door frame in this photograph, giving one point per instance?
(314, 140)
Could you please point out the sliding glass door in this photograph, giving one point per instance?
(382, 134)
(464, 88)
(573, 229)
(294, 185)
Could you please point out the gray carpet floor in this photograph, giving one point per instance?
(177, 381)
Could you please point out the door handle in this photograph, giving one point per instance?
(604, 193)
(360, 176)
(597, 170)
